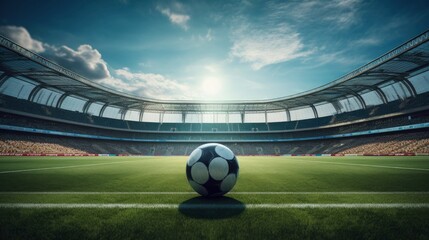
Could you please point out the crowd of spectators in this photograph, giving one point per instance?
(406, 142)
(417, 142)
(23, 144)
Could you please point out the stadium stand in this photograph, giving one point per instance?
(410, 142)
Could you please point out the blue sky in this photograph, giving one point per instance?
(212, 50)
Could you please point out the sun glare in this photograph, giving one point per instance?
(211, 86)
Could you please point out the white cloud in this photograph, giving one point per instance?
(342, 13)
(274, 37)
(368, 41)
(211, 68)
(178, 19)
(149, 85)
(338, 57)
(262, 46)
(85, 60)
(345, 3)
(209, 36)
(21, 36)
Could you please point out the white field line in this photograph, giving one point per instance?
(71, 166)
(327, 193)
(230, 193)
(364, 165)
(212, 206)
(97, 193)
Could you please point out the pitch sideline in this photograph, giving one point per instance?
(62, 167)
(364, 165)
(211, 206)
(230, 193)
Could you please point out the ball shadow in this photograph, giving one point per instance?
(211, 208)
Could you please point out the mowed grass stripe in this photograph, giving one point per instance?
(257, 174)
(230, 193)
(62, 167)
(364, 165)
(212, 206)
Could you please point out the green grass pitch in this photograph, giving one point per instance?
(274, 198)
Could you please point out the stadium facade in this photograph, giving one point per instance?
(386, 98)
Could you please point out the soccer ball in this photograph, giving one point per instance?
(212, 169)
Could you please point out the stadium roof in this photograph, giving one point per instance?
(397, 65)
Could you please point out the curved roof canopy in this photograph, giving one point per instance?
(398, 65)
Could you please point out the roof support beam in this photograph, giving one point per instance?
(61, 100)
(103, 108)
(287, 114)
(123, 111)
(409, 87)
(161, 117)
(381, 94)
(86, 106)
(316, 115)
(359, 97)
(336, 106)
(141, 115)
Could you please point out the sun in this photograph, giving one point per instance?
(211, 86)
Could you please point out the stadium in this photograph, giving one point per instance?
(386, 99)
(346, 160)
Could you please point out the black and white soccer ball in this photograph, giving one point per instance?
(212, 169)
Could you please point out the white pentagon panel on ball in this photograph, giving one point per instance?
(198, 188)
(195, 155)
(228, 183)
(224, 152)
(199, 173)
(218, 168)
